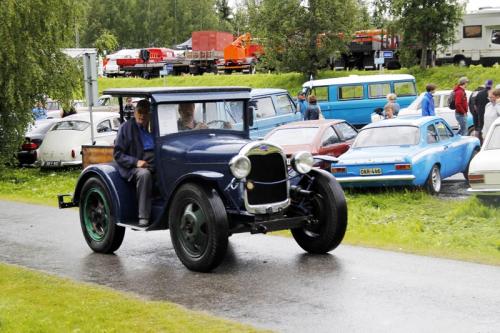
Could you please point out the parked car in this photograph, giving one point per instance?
(28, 153)
(273, 107)
(418, 151)
(212, 181)
(63, 142)
(354, 97)
(484, 170)
(441, 108)
(319, 137)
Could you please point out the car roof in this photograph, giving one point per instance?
(359, 79)
(266, 91)
(174, 94)
(312, 123)
(85, 116)
(403, 121)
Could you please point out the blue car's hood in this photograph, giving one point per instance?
(386, 154)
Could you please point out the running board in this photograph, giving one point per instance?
(133, 227)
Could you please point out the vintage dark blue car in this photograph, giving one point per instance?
(212, 182)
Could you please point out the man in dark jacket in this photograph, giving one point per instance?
(480, 103)
(134, 155)
(461, 106)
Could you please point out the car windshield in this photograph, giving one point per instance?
(387, 136)
(293, 136)
(173, 118)
(494, 141)
(74, 125)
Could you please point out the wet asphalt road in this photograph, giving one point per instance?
(267, 281)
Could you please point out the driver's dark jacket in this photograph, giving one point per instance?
(128, 148)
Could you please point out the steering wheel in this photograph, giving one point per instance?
(218, 124)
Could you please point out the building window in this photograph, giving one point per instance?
(472, 31)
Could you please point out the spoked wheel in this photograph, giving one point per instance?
(433, 183)
(198, 227)
(96, 218)
(329, 210)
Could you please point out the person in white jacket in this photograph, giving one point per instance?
(492, 110)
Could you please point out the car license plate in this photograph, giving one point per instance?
(370, 171)
(52, 163)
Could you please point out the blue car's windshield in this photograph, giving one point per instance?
(387, 136)
(173, 118)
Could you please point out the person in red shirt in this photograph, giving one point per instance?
(461, 106)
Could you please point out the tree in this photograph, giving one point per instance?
(302, 38)
(426, 24)
(106, 43)
(32, 34)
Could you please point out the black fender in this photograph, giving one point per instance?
(122, 192)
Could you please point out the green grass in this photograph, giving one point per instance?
(402, 220)
(36, 302)
(444, 77)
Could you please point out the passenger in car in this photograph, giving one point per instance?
(134, 155)
(186, 120)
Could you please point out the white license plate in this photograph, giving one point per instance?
(52, 163)
(370, 171)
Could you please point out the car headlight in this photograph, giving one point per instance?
(302, 162)
(240, 166)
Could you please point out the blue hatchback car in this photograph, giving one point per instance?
(419, 151)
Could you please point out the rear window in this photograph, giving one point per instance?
(351, 92)
(265, 108)
(284, 104)
(74, 125)
(406, 88)
(321, 93)
(293, 136)
(346, 130)
(387, 136)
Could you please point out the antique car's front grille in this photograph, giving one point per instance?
(268, 169)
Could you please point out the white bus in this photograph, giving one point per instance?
(478, 40)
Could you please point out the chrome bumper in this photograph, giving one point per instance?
(363, 179)
(484, 191)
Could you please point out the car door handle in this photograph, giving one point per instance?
(445, 147)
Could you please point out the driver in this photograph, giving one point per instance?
(187, 121)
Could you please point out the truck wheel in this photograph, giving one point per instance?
(329, 210)
(97, 218)
(198, 227)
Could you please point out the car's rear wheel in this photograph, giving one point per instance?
(328, 208)
(97, 218)
(199, 227)
(434, 181)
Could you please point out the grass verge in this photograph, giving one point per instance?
(36, 302)
(401, 219)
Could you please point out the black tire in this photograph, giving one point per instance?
(198, 227)
(329, 207)
(466, 171)
(97, 218)
(434, 181)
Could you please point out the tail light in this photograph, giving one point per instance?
(339, 169)
(405, 166)
(476, 179)
(29, 146)
(73, 154)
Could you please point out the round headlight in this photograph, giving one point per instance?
(302, 162)
(240, 166)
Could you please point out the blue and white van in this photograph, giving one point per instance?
(355, 97)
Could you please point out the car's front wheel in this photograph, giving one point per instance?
(434, 181)
(97, 218)
(328, 209)
(198, 227)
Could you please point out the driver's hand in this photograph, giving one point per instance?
(142, 164)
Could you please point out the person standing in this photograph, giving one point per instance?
(391, 98)
(128, 108)
(302, 103)
(39, 111)
(313, 111)
(480, 102)
(134, 154)
(428, 101)
(461, 106)
(492, 111)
